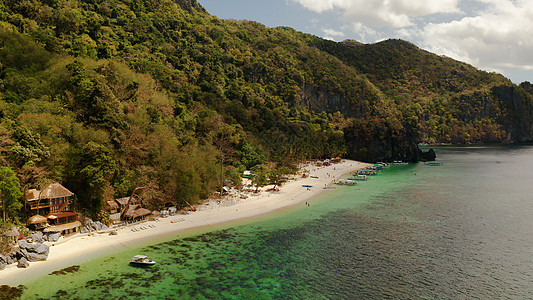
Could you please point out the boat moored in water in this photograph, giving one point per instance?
(141, 260)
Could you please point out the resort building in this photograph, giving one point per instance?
(112, 207)
(50, 209)
(126, 208)
(136, 213)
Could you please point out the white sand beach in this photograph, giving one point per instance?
(80, 248)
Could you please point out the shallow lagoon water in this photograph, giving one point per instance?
(460, 230)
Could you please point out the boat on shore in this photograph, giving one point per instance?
(346, 182)
(358, 177)
(366, 172)
(141, 260)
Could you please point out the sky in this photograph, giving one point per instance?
(492, 35)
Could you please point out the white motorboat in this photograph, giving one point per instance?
(142, 260)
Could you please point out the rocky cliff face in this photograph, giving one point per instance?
(367, 139)
(518, 105)
(321, 100)
(374, 141)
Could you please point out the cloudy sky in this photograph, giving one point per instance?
(493, 35)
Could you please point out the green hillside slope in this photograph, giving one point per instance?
(106, 96)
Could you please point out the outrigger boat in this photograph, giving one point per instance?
(366, 172)
(432, 163)
(358, 177)
(141, 260)
(346, 182)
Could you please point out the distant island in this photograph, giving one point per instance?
(107, 98)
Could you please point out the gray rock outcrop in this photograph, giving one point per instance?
(53, 237)
(93, 226)
(23, 263)
(37, 236)
(3, 262)
(11, 259)
(32, 256)
(33, 251)
(43, 249)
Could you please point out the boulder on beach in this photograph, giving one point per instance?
(42, 249)
(93, 226)
(103, 226)
(11, 259)
(3, 262)
(33, 251)
(53, 237)
(37, 236)
(24, 244)
(32, 256)
(23, 263)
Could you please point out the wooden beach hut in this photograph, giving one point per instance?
(53, 204)
(64, 222)
(114, 218)
(136, 213)
(37, 222)
(52, 199)
(112, 207)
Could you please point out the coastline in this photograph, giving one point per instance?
(81, 248)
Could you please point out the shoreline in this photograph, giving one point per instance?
(81, 248)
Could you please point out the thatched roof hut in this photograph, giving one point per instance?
(37, 219)
(114, 217)
(52, 191)
(112, 204)
(65, 228)
(124, 200)
(140, 212)
(136, 211)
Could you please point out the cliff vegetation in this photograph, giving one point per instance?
(108, 95)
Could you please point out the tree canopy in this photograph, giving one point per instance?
(109, 95)
(9, 194)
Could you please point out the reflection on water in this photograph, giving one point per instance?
(460, 230)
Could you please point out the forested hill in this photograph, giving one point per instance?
(106, 96)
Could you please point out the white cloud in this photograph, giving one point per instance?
(332, 34)
(322, 5)
(366, 34)
(382, 13)
(494, 35)
(498, 38)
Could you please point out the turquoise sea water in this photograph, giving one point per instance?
(463, 230)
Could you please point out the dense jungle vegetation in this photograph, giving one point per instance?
(108, 95)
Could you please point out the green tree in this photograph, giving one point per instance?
(9, 193)
(92, 170)
(277, 176)
(251, 155)
(259, 177)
